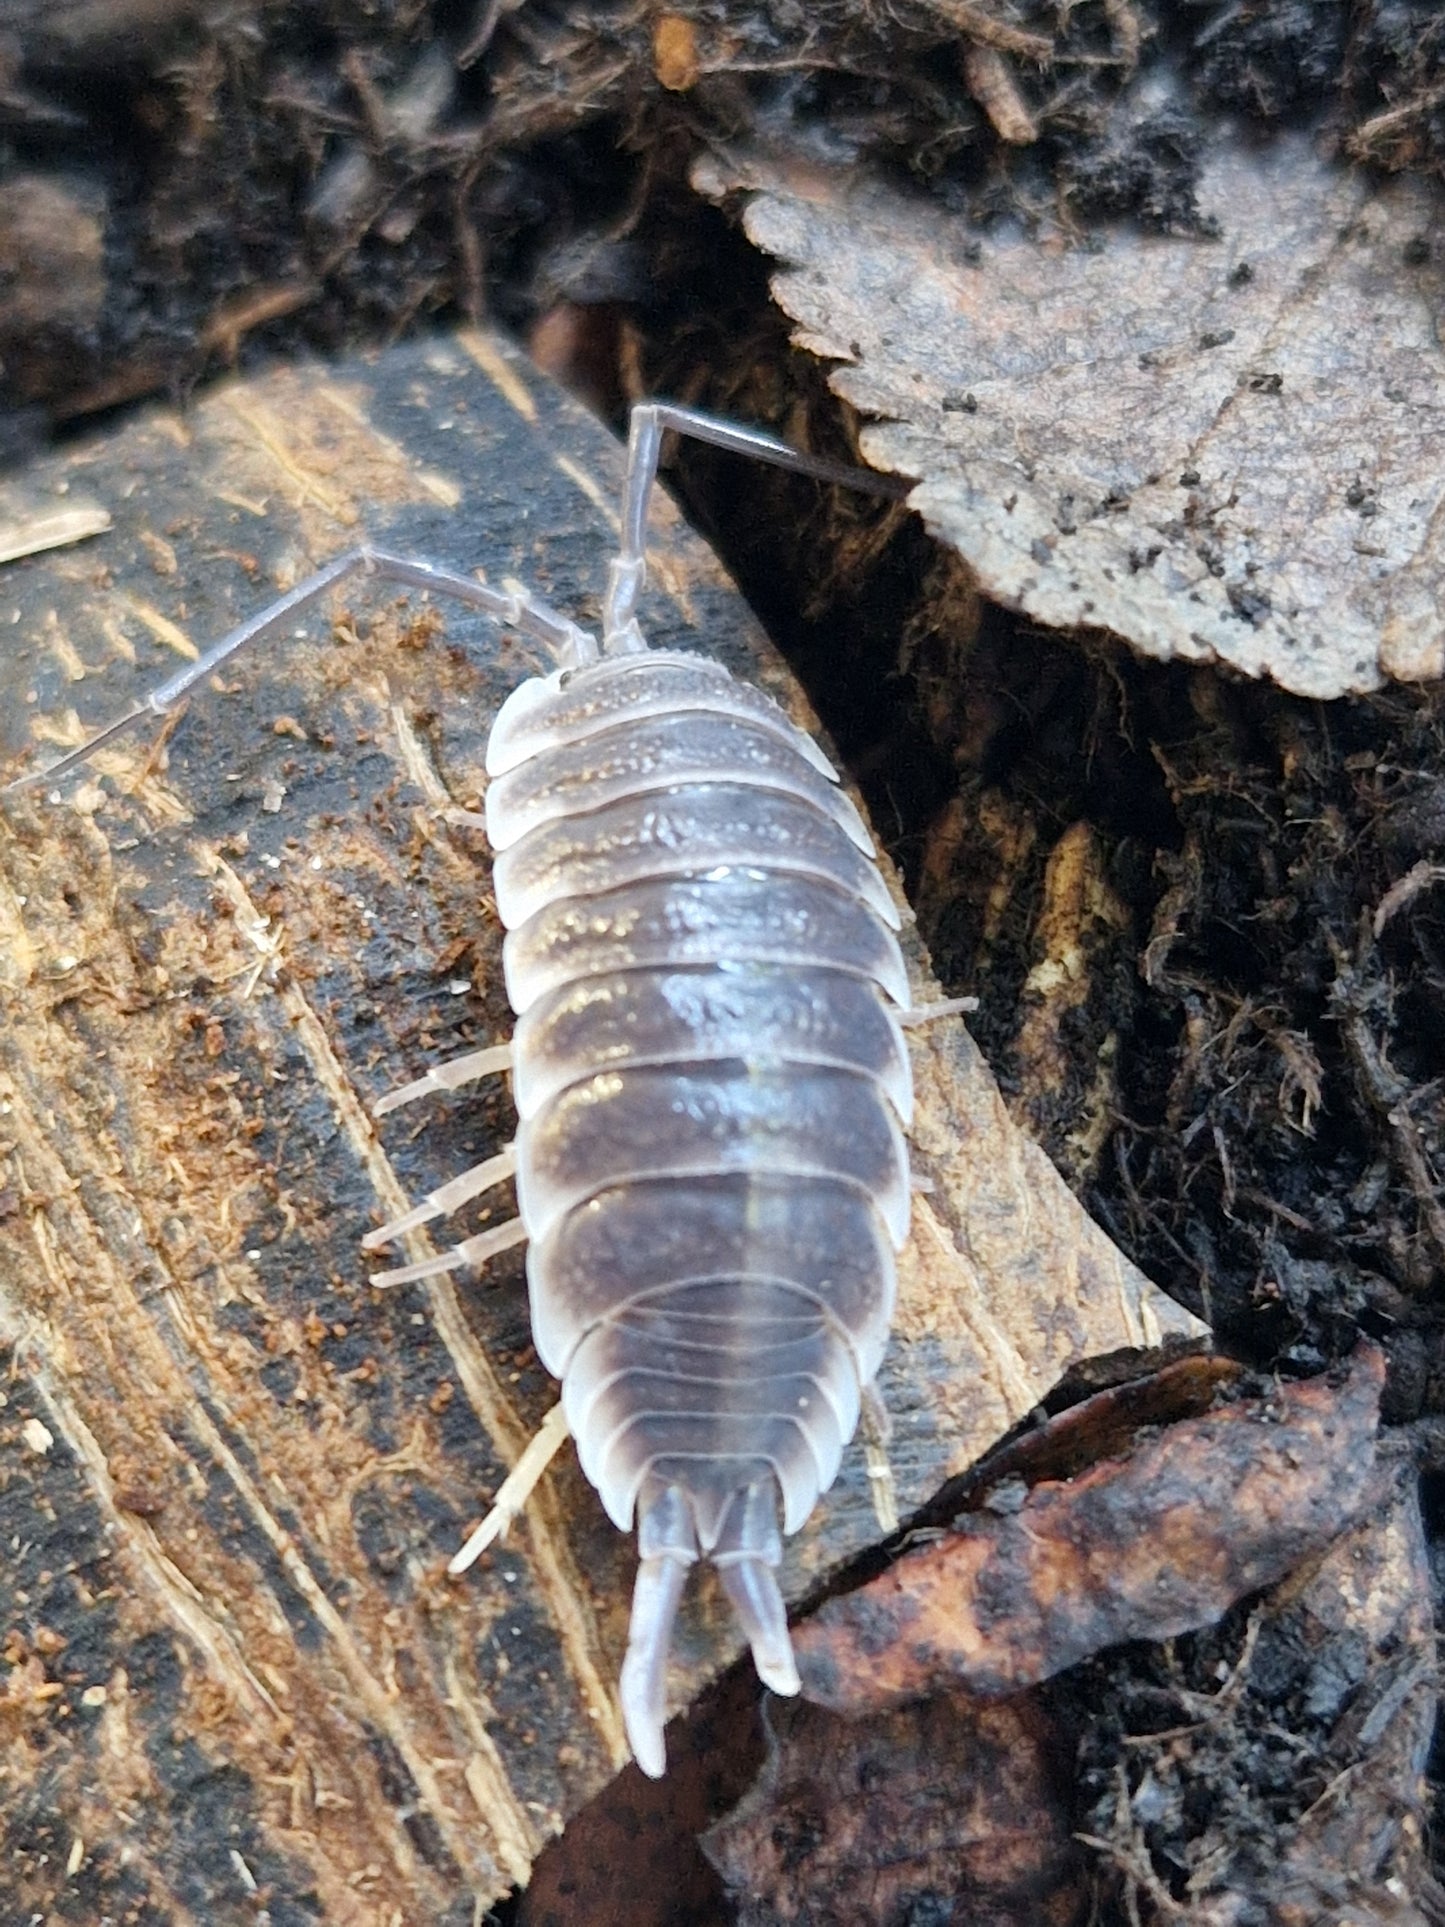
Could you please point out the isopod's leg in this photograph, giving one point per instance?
(876, 1429)
(450, 1076)
(649, 423)
(568, 644)
(471, 1251)
(945, 1007)
(667, 1546)
(447, 1197)
(516, 1488)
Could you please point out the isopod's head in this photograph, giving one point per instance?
(522, 725)
(676, 1526)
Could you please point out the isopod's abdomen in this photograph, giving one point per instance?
(708, 1120)
(712, 1089)
(683, 831)
(699, 1014)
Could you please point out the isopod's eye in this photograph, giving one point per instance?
(564, 678)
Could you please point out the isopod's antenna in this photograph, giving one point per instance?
(650, 421)
(568, 644)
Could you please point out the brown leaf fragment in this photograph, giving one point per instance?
(1005, 1286)
(947, 1810)
(1103, 1425)
(1221, 449)
(1142, 1548)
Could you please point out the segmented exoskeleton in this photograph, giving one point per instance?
(709, 1072)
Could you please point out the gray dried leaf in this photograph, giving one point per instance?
(1223, 450)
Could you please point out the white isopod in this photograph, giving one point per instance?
(709, 1072)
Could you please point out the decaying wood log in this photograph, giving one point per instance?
(231, 1473)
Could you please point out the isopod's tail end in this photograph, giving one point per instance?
(763, 1616)
(748, 1550)
(667, 1542)
(739, 1532)
(643, 1686)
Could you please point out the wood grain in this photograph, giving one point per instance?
(231, 1472)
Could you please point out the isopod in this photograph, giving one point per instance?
(708, 1067)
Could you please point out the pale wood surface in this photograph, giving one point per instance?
(231, 1473)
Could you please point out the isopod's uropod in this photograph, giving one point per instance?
(709, 1071)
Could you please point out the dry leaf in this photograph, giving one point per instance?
(1140, 1548)
(904, 1818)
(1104, 1425)
(1275, 1766)
(1223, 450)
